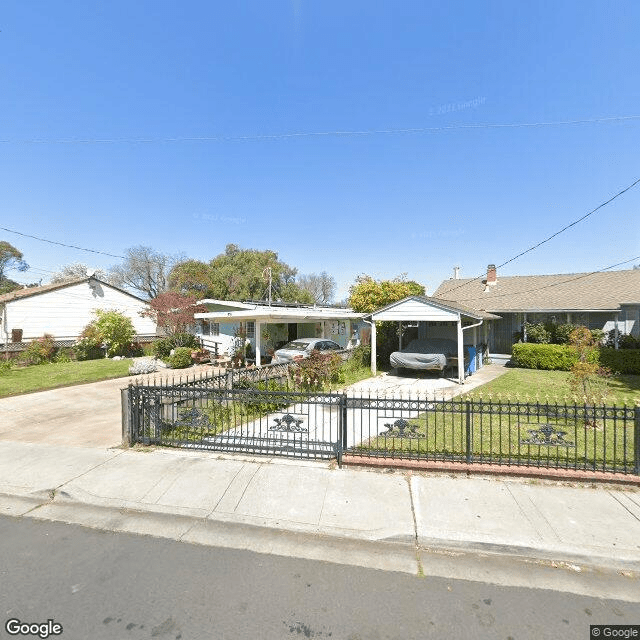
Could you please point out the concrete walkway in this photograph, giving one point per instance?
(386, 520)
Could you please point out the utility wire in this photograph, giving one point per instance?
(62, 244)
(547, 286)
(310, 134)
(557, 233)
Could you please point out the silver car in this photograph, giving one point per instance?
(302, 348)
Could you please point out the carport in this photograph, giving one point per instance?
(436, 318)
(262, 314)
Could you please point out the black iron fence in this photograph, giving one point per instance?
(254, 411)
(550, 435)
(249, 420)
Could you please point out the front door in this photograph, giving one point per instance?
(293, 331)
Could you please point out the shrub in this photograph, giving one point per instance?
(64, 355)
(89, 345)
(40, 350)
(560, 333)
(115, 330)
(625, 340)
(135, 350)
(544, 356)
(621, 360)
(180, 359)
(316, 371)
(162, 348)
(5, 366)
(537, 333)
(361, 356)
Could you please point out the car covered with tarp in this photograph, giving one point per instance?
(430, 354)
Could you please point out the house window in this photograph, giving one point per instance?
(251, 329)
(215, 329)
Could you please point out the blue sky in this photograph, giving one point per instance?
(146, 75)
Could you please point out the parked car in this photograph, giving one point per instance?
(426, 355)
(302, 348)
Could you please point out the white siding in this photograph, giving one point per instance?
(415, 310)
(65, 312)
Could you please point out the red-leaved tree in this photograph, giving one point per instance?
(173, 312)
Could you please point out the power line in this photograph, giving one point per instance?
(310, 134)
(557, 233)
(62, 244)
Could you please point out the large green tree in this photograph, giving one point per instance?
(10, 259)
(368, 294)
(239, 274)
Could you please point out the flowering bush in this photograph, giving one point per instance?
(40, 350)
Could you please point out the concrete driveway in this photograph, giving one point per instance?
(86, 415)
(89, 415)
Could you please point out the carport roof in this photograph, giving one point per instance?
(442, 305)
(265, 313)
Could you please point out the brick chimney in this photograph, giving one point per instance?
(492, 276)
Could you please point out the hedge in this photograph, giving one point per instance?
(543, 356)
(621, 360)
(561, 357)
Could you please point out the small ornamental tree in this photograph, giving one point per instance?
(173, 312)
(588, 378)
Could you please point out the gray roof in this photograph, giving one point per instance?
(605, 290)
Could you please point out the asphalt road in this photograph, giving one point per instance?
(100, 584)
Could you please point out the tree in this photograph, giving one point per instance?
(78, 270)
(321, 286)
(10, 258)
(173, 312)
(192, 278)
(144, 270)
(367, 295)
(239, 274)
(588, 379)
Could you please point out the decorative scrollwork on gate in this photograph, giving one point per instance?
(400, 428)
(546, 435)
(288, 422)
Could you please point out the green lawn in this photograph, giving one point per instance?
(592, 438)
(535, 384)
(60, 374)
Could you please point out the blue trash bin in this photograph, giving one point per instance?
(471, 365)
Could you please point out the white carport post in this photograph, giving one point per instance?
(460, 351)
(373, 348)
(258, 342)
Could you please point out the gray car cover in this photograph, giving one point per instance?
(431, 353)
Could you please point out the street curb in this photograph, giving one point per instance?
(390, 554)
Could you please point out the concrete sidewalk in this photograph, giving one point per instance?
(388, 520)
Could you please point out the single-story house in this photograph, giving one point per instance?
(269, 326)
(607, 300)
(436, 318)
(64, 309)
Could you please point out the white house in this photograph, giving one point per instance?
(65, 308)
